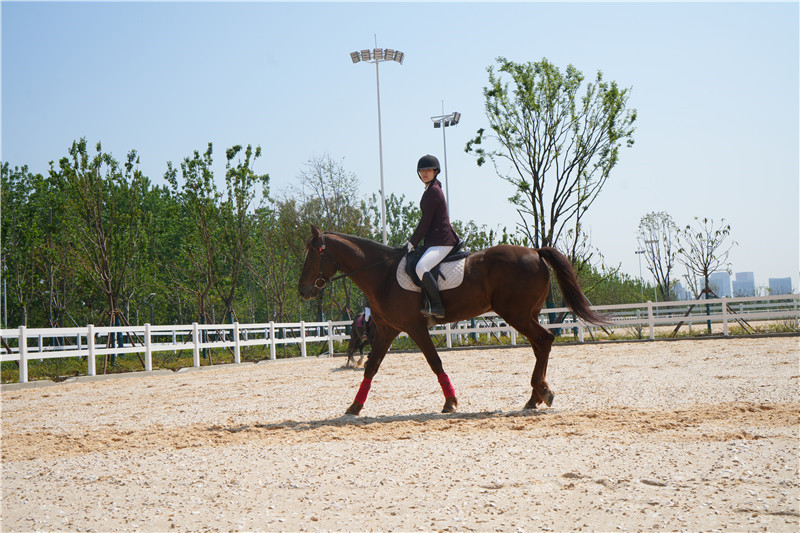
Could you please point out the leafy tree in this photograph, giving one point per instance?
(278, 254)
(402, 217)
(103, 212)
(236, 224)
(658, 238)
(195, 270)
(555, 146)
(20, 239)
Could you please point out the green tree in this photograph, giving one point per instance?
(194, 270)
(236, 223)
(555, 146)
(103, 212)
(20, 239)
(402, 217)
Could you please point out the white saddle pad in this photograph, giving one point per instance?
(453, 272)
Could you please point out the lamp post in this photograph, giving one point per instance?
(641, 280)
(148, 301)
(443, 121)
(379, 55)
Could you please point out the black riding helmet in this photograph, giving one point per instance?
(428, 161)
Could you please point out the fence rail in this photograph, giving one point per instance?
(23, 344)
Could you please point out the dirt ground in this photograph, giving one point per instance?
(683, 435)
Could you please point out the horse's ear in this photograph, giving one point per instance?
(315, 232)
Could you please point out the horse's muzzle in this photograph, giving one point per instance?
(307, 292)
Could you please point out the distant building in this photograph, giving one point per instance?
(744, 284)
(780, 285)
(681, 293)
(720, 283)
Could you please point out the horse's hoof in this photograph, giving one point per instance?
(354, 409)
(450, 405)
(548, 397)
(531, 405)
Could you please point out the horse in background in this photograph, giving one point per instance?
(361, 333)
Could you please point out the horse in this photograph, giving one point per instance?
(513, 281)
(360, 335)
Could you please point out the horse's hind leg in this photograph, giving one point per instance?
(541, 341)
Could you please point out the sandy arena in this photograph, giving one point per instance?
(686, 435)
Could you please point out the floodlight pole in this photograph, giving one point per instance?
(641, 280)
(378, 55)
(443, 121)
(380, 149)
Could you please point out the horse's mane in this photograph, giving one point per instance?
(363, 242)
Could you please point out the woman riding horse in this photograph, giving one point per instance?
(511, 280)
(435, 228)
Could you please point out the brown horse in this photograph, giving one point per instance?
(511, 280)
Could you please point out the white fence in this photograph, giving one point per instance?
(23, 344)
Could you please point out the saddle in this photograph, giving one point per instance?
(413, 257)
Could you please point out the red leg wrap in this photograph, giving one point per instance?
(447, 387)
(363, 390)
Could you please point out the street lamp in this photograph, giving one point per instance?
(443, 121)
(641, 280)
(148, 302)
(379, 55)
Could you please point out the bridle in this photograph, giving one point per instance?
(321, 282)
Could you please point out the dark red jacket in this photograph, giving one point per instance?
(434, 226)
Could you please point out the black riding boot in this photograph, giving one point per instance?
(435, 309)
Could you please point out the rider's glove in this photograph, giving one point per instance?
(409, 246)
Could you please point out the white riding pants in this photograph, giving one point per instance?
(432, 257)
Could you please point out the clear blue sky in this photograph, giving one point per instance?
(715, 86)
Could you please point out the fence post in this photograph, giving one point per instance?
(148, 352)
(330, 337)
(23, 355)
(90, 361)
(650, 320)
(302, 338)
(448, 335)
(272, 340)
(195, 344)
(580, 330)
(724, 317)
(513, 335)
(237, 354)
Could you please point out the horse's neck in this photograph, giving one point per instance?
(361, 257)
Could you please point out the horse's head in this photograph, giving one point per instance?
(318, 267)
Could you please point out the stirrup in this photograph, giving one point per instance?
(428, 311)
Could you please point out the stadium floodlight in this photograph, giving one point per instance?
(443, 121)
(379, 55)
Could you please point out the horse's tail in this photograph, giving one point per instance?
(570, 288)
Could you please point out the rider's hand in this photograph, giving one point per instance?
(409, 246)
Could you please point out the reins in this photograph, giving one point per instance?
(344, 274)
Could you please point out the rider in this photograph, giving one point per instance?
(434, 227)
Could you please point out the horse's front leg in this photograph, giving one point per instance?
(383, 339)
(423, 340)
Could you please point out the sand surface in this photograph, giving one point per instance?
(686, 435)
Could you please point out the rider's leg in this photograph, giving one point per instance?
(432, 257)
